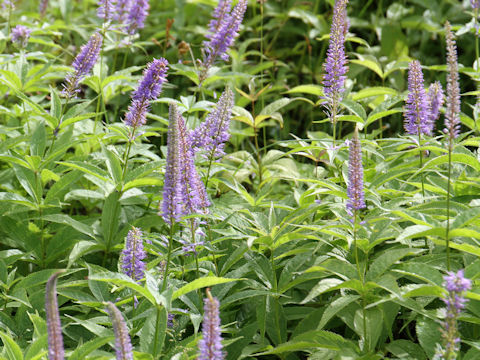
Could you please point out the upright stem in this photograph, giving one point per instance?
(361, 276)
(421, 163)
(167, 266)
(192, 231)
(447, 235)
(127, 153)
(157, 329)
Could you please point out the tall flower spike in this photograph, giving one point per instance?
(452, 113)
(123, 345)
(173, 190)
(212, 134)
(194, 196)
(435, 101)
(356, 197)
(54, 327)
(210, 346)
(224, 36)
(149, 88)
(138, 12)
(183, 192)
(417, 118)
(335, 66)
(133, 255)
(82, 64)
(475, 4)
(456, 284)
(106, 9)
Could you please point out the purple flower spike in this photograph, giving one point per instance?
(435, 101)
(417, 118)
(54, 327)
(172, 209)
(20, 35)
(475, 4)
(149, 89)
(122, 10)
(123, 345)
(183, 192)
(106, 9)
(456, 284)
(212, 134)
(82, 64)
(452, 113)
(226, 30)
(336, 62)
(356, 197)
(138, 12)
(133, 255)
(221, 14)
(42, 8)
(210, 346)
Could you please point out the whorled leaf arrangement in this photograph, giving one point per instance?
(54, 326)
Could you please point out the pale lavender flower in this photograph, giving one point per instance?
(149, 88)
(138, 12)
(42, 8)
(184, 192)
(54, 327)
(122, 10)
(355, 192)
(82, 64)
(189, 248)
(170, 320)
(452, 112)
(475, 4)
(456, 284)
(210, 346)
(106, 9)
(20, 35)
(8, 4)
(123, 345)
(226, 30)
(417, 118)
(133, 255)
(335, 65)
(435, 100)
(172, 209)
(211, 135)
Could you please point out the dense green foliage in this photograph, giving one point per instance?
(295, 277)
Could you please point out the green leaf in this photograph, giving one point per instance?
(272, 108)
(110, 218)
(67, 220)
(199, 284)
(373, 92)
(355, 108)
(113, 165)
(13, 350)
(370, 64)
(155, 325)
(38, 141)
(307, 89)
(428, 333)
(383, 262)
(86, 168)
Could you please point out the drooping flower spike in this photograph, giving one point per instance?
(133, 255)
(149, 88)
(417, 119)
(82, 64)
(224, 29)
(210, 346)
(452, 112)
(123, 344)
(335, 65)
(211, 135)
(355, 192)
(54, 327)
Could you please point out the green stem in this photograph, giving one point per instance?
(447, 232)
(192, 231)
(127, 154)
(167, 266)
(361, 275)
(421, 163)
(157, 329)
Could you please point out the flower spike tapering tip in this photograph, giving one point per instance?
(54, 326)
